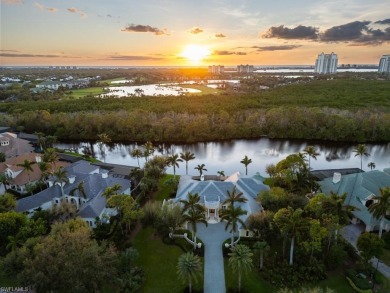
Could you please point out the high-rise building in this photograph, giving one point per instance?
(326, 63)
(384, 64)
(245, 68)
(218, 69)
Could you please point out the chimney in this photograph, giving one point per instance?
(104, 174)
(38, 159)
(336, 177)
(202, 177)
(72, 178)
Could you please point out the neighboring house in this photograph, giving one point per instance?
(11, 145)
(360, 189)
(20, 178)
(91, 206)
(214, 192)
(49, 84)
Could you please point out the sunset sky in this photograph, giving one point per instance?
(186, 32)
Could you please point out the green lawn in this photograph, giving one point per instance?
(205, 89)
(79, 93)
(159, 262)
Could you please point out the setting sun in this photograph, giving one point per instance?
(195, 53)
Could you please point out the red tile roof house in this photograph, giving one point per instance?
(20, 178)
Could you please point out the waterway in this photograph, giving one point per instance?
(226, 155)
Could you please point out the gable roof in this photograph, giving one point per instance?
(37, 200)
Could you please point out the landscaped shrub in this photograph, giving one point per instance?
(358, 281)
(335, 257)
(356, 288)
(386, 238)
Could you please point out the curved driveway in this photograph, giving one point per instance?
(214, 274)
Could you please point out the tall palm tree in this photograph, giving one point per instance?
(261, 246)
(361, 150)
(201, 168)
(174, 162)
(189, 268)
(187, 156)
(103, 139)
(232, 217)
(192, 202)
(311, 152)
(371, 165)
(234, 196)
(27, 166)
(148, 150)
(291, 222)
(108, 192)
(44, 167)
(80, 191)
(246, 161)
(193, 216)
(61, 177)
(240, 261)
(50, 156)
(136, 153)
(380, 207)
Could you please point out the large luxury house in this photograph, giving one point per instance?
(19, 177)
(91, 204)
(12, 145)
(360, 189)
(213, 193)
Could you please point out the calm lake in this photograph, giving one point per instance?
(226, 156)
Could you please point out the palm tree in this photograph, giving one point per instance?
(192, 202)
(261, 246)
(174, 162)
(148, 150)
(189, 268)
(232, 217)
(80, 191)
(136, 153)
(311, 152)
(240, 261)
(187, 156)
(44, 167)
(27, 166)
(221, 173)
(193, 216)
(108, 192)
(290, 222)
(50, 156)
(234, 196)
(380, 207)
(201, 168)
(246, 161)
(371, 165)
(61, 177)
(361, 150)
(115, 188)
(103, 139)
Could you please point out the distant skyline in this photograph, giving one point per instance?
(191, 33)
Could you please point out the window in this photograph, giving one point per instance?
(247, 233)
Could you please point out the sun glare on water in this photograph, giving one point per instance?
(195, 53)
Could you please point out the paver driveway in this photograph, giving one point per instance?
(214, 275)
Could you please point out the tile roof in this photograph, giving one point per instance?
(36, 200)
(358, 187)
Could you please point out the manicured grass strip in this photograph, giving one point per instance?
(159, 262)
(79, 93)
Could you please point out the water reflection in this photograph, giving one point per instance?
(227, 155)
